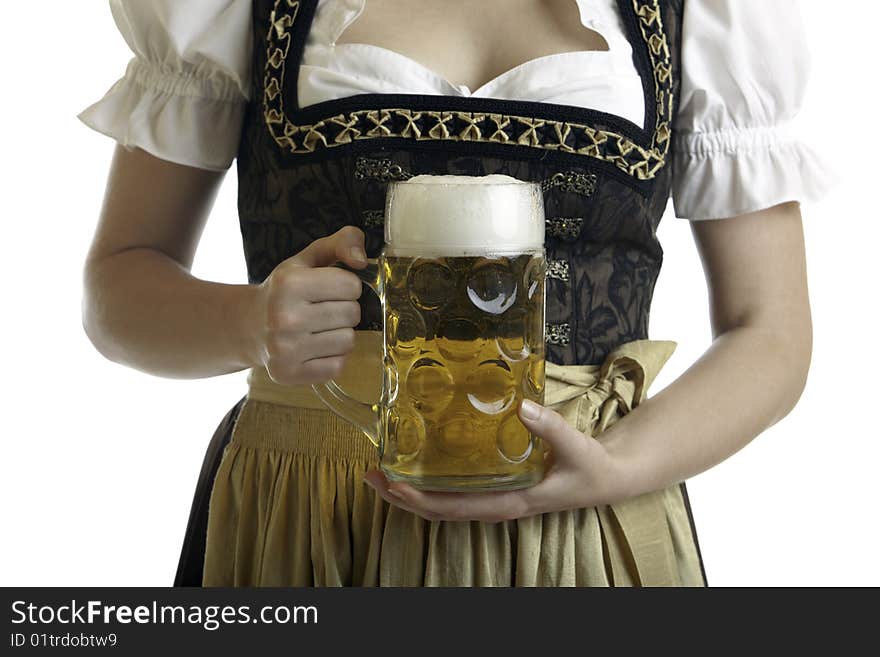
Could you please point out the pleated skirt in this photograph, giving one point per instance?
(283, 503)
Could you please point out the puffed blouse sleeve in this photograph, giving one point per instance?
(184, 92)
(744, 72)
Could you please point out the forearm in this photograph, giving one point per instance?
(144, 310)
(746, 381)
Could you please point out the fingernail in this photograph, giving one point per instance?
(368, 483)
(530, 410)
(358, 254)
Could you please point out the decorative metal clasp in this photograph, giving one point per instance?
(564, 228)
(373, 218)
(571, 181)
(384, 170)
(559, 334)
(558, 269)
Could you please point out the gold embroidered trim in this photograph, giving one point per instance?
(421, 125)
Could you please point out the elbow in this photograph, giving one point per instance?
(775, 348)
(95, 316)
(792, 351)
(799, 376)
(95, 333)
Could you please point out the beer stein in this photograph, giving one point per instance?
(461, 283)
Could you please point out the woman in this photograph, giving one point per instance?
(612, 106)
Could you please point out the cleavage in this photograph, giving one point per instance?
(484, 40)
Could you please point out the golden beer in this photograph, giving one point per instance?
(464, 345)
(461, 280)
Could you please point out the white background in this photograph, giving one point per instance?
(99, 462)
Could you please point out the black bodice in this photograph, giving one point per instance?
(305, 173)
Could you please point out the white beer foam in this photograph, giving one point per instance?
(458, 215)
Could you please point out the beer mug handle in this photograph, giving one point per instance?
(364, 416)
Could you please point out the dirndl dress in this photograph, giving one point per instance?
(281, 500)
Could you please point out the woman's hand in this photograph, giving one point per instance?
(749, 378)
(305, 311)
(580, 472)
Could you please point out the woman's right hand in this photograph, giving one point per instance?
(306, 310)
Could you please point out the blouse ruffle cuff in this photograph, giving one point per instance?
(176, 116)
(732, 172)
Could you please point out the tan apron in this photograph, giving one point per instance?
(288, 507)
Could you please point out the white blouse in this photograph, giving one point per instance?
(604, 80)
(744, 72)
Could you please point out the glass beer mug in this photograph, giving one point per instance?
(461, 282)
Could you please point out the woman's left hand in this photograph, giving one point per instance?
(579, 472)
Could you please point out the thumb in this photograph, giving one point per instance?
(345, 245)
(551, 427)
